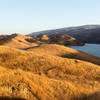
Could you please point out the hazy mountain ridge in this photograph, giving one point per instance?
(65, 29)
(82, 33)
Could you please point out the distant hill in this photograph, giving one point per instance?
(25, 41)
(86, 33)
(62, 39)
(17, 41)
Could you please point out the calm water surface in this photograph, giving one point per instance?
(93, 49)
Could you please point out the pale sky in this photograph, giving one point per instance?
(26, 16)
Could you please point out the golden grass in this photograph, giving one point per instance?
(43, 73)
(19, 41)
(62, 51)
(38, 87)
(34, 87)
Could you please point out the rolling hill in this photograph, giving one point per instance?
(48, 72)
(61, 51)
(24, 41)
(17, 41)
(62, 39)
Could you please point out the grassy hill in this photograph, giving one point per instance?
(24, 41)
(64, 52)
(17, 41)
(48, 72)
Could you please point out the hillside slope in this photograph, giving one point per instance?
(17, 41)
(27, 86)
(65, 52)
(47, 75)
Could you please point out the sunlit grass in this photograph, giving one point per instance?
(43, 73)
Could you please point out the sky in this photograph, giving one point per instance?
(26, 16)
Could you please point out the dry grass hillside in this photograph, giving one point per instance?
(65, 52)
(48, 72)
(17, 41)
(26, 85)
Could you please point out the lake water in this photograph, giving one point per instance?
(93, 49)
